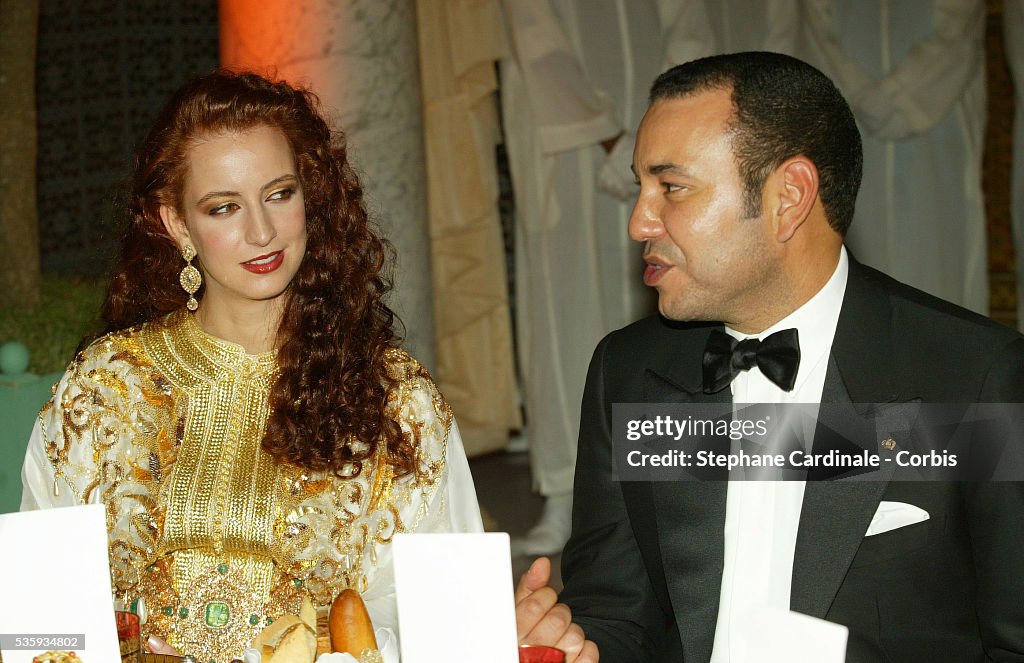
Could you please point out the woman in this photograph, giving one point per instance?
(249, 421)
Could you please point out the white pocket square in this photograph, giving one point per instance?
(893, 515)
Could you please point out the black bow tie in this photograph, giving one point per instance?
(778, 357)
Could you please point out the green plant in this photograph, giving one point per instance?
(67, 311)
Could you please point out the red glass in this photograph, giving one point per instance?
(540, 654)
(128, 636)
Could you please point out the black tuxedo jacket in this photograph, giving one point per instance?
(643, 569)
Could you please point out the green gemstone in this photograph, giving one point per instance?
(168, 611)
(217, 614)
(298, 582)
(183, 613)
(254, 619)
(222, 568)
(134, 607)
(151, 568)
(269, 621)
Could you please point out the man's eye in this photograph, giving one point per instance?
(670, 188)
(283, 194)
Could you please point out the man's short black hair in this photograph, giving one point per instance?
(783, 108)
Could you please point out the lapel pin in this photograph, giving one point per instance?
(889, 444)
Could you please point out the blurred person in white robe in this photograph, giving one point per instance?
(699, 28)
(913, 71)
(573, 93)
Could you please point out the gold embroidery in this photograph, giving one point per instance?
(164, 423)
(381, 483)
(110, 379)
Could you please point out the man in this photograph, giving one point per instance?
(748, 166)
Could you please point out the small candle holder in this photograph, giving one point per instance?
(540, 654)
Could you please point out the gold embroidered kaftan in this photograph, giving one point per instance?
(162, 424)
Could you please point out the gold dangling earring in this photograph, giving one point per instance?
(190, 278)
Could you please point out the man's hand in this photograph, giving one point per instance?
(542, 620)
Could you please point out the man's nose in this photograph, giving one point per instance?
(645, 221)
(260, 229)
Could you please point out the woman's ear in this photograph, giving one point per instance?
(175, 226)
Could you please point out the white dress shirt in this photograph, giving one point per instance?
(761, 517)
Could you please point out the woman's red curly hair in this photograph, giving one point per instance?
(329, 403)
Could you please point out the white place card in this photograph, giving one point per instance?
(455, 598)
(783, 636)
(55, 585)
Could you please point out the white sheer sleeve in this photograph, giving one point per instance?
(447, 505)
(38, 478)
(453, 508)
(59, 463)
(463, 509)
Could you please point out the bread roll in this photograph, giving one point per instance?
(350, 625)
(291, 638)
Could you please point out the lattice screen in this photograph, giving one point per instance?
(104, 68)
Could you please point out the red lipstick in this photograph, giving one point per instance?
(264, 264)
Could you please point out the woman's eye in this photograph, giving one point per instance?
(283, 194)
(226, 208)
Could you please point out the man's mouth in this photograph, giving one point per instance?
(656, 268)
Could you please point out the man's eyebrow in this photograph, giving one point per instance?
(659, 168)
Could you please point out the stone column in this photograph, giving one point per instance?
(360, 57)
(19, 233)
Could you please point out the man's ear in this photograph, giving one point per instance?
(175, 226)
(795, 186)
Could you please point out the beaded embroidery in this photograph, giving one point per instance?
(163, 423)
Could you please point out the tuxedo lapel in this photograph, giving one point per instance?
(833, 519)
(688, 515)
(674, 374)
(836, 514)
(863, 344)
